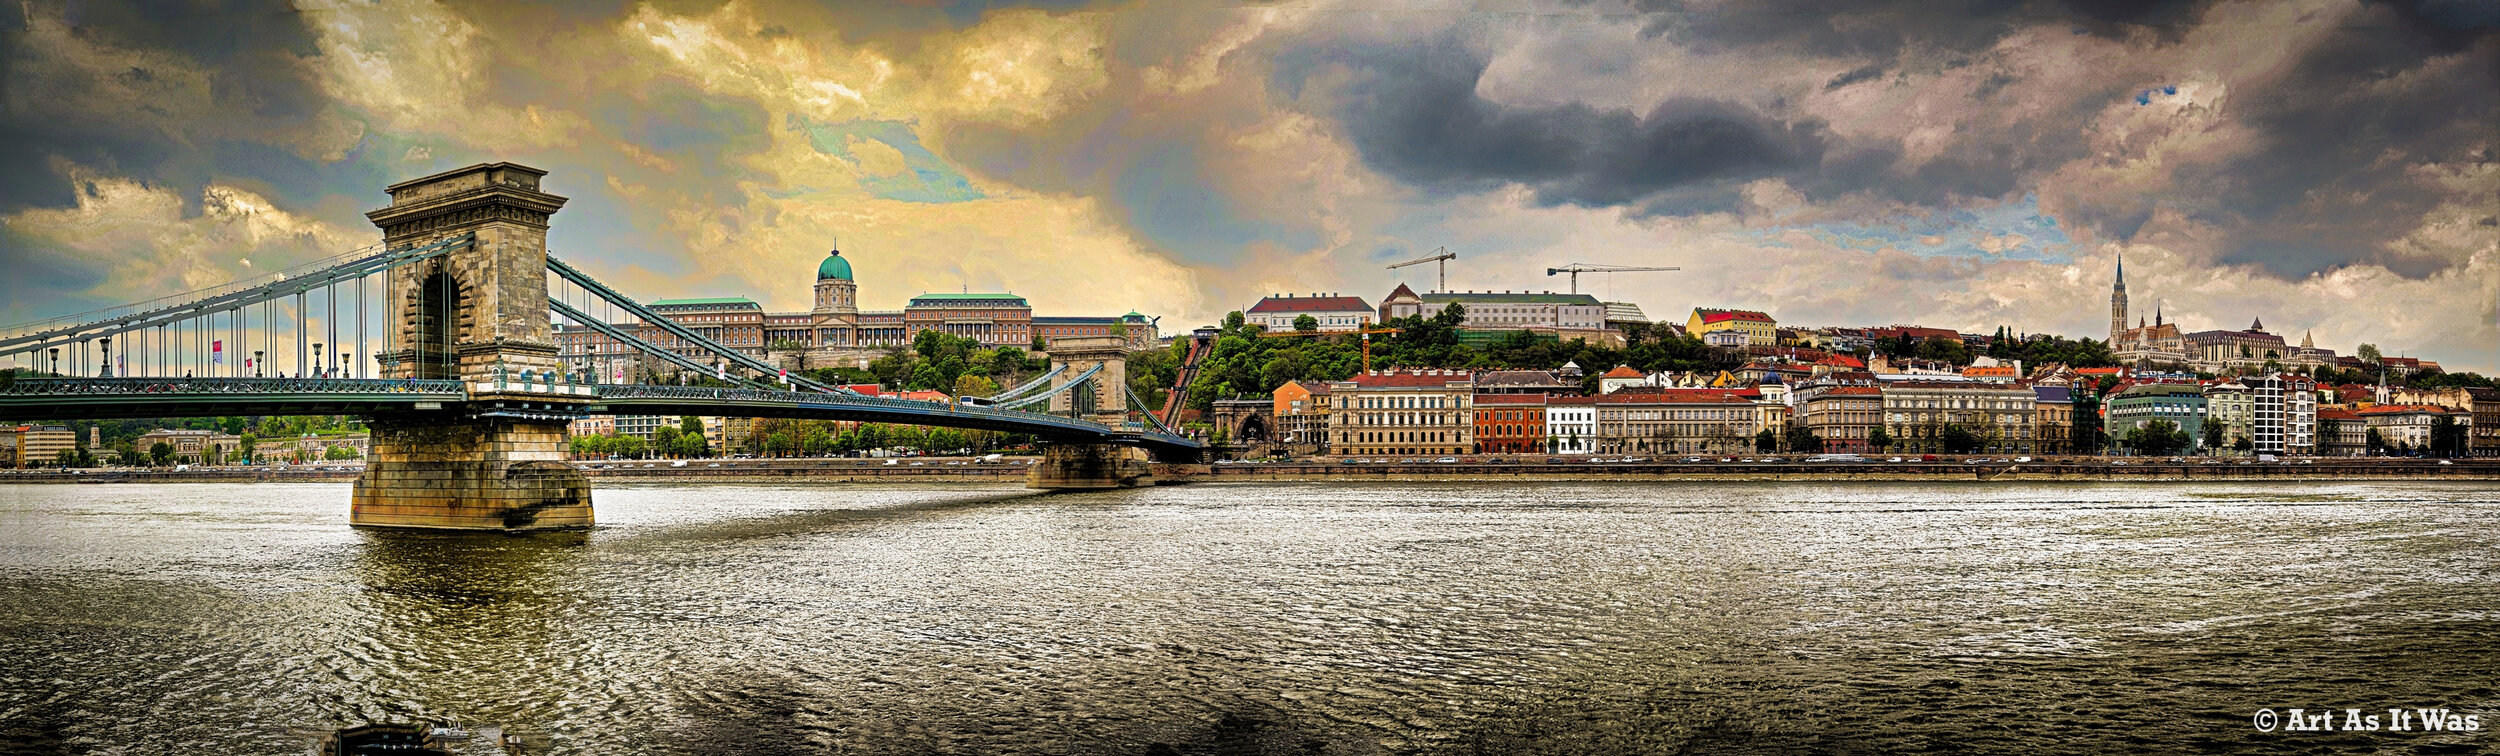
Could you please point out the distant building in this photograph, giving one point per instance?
(2053, 409)
(188, 445)
(2232, 407)
(41, 445)
(2342, 433)
(1919, 413)
(2407, 427)
(1423, 412)
(1560, 316)
(1843, 416)
(1622, 315)
(2183, 404)
(1510, 423)
(1571, 421)
(1620, 378)
(1688, 421)
(2218, 351)
(1302, 414)
(1335, 313)
(833, 332)
(2285, 414)
(1757, 327)
(2482, 403)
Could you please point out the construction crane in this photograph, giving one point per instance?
(1366, 333)
(1440, 255)
(1575, 269)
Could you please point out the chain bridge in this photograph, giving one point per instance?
(462, 381)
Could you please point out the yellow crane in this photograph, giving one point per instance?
(1575, 269)
(1441, 255)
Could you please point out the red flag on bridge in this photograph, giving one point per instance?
(217, 352)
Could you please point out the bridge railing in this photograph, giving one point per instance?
(130, 386)
(702, 393)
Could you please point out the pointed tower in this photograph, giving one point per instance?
(2305, 343)
(2257, 325)
(2118, 302)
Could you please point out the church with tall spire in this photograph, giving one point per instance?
(2143, 345)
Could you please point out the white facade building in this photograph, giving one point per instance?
(1571, 421)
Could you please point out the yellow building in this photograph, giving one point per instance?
(1759, 329)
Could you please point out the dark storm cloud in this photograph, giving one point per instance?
(247, 50)
(1414, 114)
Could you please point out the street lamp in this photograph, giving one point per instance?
(56, 360)
(317, 356)
(346, 364)
(105, 344)
(257, 363)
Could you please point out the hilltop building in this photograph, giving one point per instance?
(1335, 313)
(834, 331)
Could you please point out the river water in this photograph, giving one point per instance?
(1264, 619)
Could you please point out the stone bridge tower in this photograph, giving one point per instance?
(1081, 466)
(478, 315)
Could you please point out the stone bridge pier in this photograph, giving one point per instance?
(479, 315)
(1091, 466)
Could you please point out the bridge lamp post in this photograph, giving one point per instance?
(56, 360)
(257, 363)
(106, 345)
(346, 364)
(316, 355)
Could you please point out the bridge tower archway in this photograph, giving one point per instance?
(477, 313)
(1107, 402)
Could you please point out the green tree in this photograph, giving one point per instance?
(2368, 353)
(2243, 444)
(2374, 441)
(975, 385)
(2158, 438)
(1305, 323)
(161, 454)
(1956, 439)
(1803, 440)
(1877, 439)
(1766, 441)
(2213, 436)
(65, 458)
(2447, 437)
(340, 452)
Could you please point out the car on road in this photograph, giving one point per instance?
(1445, 460)
(2022, 459)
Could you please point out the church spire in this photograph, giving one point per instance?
(2157, 311)
(2305, 343)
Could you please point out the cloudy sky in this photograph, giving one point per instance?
(2326, 166)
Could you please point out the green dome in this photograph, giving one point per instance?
(834, 267)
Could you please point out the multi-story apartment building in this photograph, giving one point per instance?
(1843, 416)
(2053, 408)
(1673, 421)
(641, 426)
(2407, 427)
(1523, 382)
(1510, 423)
(1759, 329)
(1302, 412)
(1571, 421)
(2000, 417)
(2483, 403)
(595, 425)
(41, 445)
(2284, 417)
(2130, 408)
(1333, 312)
(1403, 412)
(2229, 405)
(2342, 433)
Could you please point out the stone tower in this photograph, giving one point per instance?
(2118, 302)
(837, 302)
(478, 315)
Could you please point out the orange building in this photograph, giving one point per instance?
(1510, 423)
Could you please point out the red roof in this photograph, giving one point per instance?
(1687, 396)
(1484, 399)
(1841, 360)
(2393, 409)
(1550, 401)
(1409, 380)
(1309, 304)
(1855, 391)
(1622, 371)
(2336, 414)
(1721, 316)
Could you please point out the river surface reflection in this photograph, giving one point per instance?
(1548, 618)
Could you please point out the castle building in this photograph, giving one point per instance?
(834, 332)
(2144, 345)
